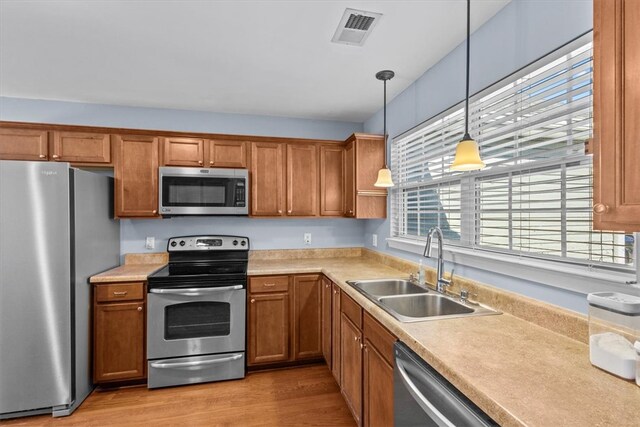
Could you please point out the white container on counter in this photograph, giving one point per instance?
(614, 325)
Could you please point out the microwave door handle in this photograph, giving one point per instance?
(195, 291)
(420, 399)
(173, 365)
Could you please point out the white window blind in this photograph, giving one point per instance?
(535, 196)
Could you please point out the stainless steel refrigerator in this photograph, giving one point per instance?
(56, 230)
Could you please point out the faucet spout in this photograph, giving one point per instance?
(441, 282)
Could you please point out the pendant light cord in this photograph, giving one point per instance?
(385, 124)
(466, 104)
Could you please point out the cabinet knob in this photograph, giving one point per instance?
(357, 338)
(154, 211)
(362, 346)
(335, 292)
(55, 156)
(600, 208)
(200, 162)
(253, 300)
(211, 162)
(289, 211)
(326, 286)
(42, 156)
(139, 308)
(279, 211)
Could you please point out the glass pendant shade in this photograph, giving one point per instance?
(467, 156)
(384, 178)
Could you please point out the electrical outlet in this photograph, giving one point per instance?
(307, 238)
(375, 241)
(150, 242)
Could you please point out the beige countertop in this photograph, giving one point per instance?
(516, 371)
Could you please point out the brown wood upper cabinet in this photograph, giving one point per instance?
(23, 144)
(302, 180)
(81, 147)
(267, 178)
(364, 156)
(332, 180)
(199, 152)
(136, 175)
(616, 111)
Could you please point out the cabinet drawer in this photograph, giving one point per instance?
(120, 292)
(351, 309)
(380, 337)
(269, 284)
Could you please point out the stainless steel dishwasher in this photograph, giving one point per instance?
(423, 397)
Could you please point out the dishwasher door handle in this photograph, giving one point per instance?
(424, 403)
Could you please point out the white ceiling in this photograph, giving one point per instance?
(252, 57)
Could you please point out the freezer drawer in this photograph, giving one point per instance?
(197, 369)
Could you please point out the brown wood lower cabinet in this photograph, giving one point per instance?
(285, 319)
(361, 358)
(119, 332)
(327, 290)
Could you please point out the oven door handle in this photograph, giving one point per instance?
(174, 365)
(191, 292)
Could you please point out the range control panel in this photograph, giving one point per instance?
(208, 243)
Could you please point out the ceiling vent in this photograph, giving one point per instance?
(355, 26)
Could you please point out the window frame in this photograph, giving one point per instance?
(578, 276)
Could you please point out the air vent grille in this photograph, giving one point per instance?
(355, 26)
(359, 22)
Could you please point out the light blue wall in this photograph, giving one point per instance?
(264, 233)
(520, 33)
(77, 113)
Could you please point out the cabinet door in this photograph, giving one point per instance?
(183, 152)
(118, 348)
(268, 328)
(349, 180)
(326, 320)
(335, 332)
(20, 144)
(351, 367)
(227, 154)
(616, 110)
(332, 180)
(136, 175)
(302, 180)
(81, 147)
(378, 388)
(267, 178)
(307, 314)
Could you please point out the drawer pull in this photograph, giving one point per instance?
(120, 293)
(268, 285)
(42, 156)
(139, 308)
(600, 208)
(253, 300)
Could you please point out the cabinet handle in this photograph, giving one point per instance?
(211, 162)
(279, 211)
(335, 292)
(289, 211)
(119, 293)
(357, 338)
(55, 156)
(326, 286)
(362, 346)
(600, 208)
(200, 162)
(139, 308)
(154, 211)
(268, 285)
(253, 300)
(42, 156)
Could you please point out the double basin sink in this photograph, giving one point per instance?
(409, 302)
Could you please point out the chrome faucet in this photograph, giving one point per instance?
(441, 282)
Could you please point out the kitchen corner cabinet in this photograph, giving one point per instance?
(616, 110)
(364, 157)
(199, 152)
(136, 175)
(119, 327)
(284, 319)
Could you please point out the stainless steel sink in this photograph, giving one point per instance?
(409, 302)
(384, 287)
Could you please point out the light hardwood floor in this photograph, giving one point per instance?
(302, 396)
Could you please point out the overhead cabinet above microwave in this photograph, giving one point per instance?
(199, 152)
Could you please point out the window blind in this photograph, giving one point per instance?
(534, 197)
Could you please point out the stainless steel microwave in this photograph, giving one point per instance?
(209, 191)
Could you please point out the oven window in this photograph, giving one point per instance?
(197, 320)
(195, 192)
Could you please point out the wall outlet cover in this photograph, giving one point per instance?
(307, 238)
(150, 242)
(375, 240)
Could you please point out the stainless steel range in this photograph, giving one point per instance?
(197, 311)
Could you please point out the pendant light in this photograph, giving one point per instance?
(467, 152)
(384, 174)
